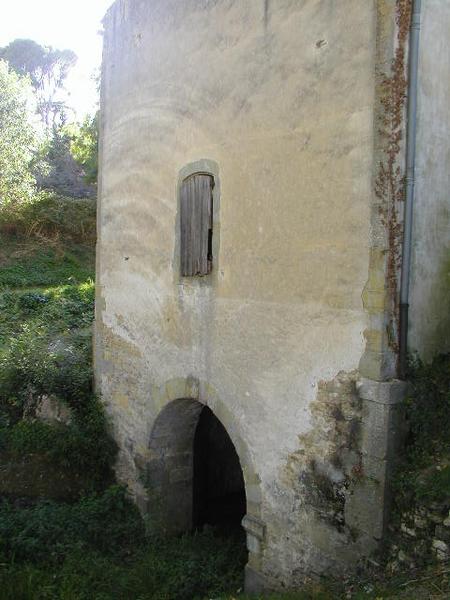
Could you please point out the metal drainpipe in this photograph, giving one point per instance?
(410, 180)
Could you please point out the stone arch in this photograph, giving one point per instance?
(178, 404)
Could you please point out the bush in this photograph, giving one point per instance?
(25, 365)
(48, 216)
(26, 583)
(97, 549)
(47, 532)
(31, 302)
(48, 354)
(83, 446)
(424, 473)
(84, 145)
(33, 365)
(72, 306)
(428, 408)
(200, 566)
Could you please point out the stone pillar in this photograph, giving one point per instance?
(367, 508)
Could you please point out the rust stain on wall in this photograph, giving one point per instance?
(390, 183)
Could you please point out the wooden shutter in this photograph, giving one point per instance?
(196, 217)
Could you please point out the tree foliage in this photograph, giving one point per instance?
(84, 146)
(18, 140)
(47, 68)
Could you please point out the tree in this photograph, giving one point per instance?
(84, 146)
(18, 140)
(65, 176)
(47, 69)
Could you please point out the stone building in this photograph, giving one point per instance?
(252, 193)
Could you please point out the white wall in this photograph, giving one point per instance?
(430, 274)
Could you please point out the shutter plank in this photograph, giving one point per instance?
(190, 184)
(183, 232)
(197, 229)
(205, 222)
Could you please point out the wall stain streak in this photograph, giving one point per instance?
(266, 13)
(329, 460)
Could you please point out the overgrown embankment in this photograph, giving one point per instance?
(50, 420)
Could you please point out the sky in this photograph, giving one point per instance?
(72, 24)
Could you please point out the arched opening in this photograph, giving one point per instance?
(194, 477)
(218, 482)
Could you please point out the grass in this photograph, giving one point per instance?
(424, 473)
(29, 263)
(97, 549)
(59, 310)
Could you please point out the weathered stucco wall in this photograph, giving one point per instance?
(279, 99)
(430, 274)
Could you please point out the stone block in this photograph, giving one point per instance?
(181, 474)
(382, 422)
(176, 388)
(441, 549)
(374, 363)
(255, 530)
(364, 508)
(253, 544)
(253, 493)
(254, 526)
(442, 533)
(255, 582)
(382, 392)
(374, 469)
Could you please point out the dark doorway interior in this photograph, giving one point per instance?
(219, 489)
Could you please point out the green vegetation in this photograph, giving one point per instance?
(51, 218)
(424, 475)
(97, 549)
(46, 68)
(45, 352)
(84, 145)
(48, 268)
(40, 148)
(185, 568)
(18, 139)
(105, 522)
